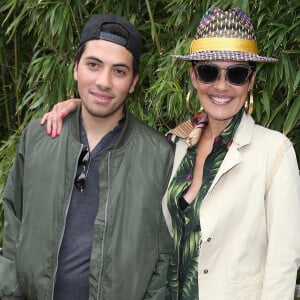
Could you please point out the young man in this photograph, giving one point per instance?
(83, 216)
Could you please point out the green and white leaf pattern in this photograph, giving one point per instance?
(183, 269)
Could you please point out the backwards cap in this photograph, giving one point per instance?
(96, 29)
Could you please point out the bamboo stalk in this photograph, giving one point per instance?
(16, 75)
(154, 28)
(5, 98)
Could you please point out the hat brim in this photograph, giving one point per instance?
(225, 55)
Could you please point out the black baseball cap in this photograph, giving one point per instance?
(97, 28)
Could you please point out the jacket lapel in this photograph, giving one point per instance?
(233, 157)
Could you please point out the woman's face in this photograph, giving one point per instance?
(221, 99)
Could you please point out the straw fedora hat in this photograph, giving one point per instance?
(225, 35)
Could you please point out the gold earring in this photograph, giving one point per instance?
(249, 104)
(187, 104)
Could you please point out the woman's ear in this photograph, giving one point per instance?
(193, 77)
(252, 80)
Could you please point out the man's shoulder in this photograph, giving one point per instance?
(151, 136)
(34, 127)
(147, 129)
(34, 131)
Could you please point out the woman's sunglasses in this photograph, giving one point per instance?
(83, 169)
(235, 74)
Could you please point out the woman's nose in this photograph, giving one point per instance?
(221, 82)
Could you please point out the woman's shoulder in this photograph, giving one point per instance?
(269, 136)
(257, 133)
(262, 142)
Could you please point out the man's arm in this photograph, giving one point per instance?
(12, 204)
(157, 286)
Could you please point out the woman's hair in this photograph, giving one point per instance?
(252, 64)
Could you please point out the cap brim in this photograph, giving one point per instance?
(225, 55)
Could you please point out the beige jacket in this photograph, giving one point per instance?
(250, 220)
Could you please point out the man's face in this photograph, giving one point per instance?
(104, 76)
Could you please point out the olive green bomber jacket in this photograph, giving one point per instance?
(131, 244)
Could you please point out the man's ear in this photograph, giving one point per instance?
(75, 71)
(133, 84)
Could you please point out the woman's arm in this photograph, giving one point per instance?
(283, 223)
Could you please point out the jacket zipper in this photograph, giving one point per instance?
(105, 225)
(64, 227)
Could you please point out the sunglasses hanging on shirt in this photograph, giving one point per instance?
(83, 169)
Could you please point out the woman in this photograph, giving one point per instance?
(234, 201)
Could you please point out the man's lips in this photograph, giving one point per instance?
(101, 97)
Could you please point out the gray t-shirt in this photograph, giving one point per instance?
(72, 278)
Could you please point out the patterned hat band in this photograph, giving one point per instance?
(223, 44)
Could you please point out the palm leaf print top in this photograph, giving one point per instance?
(183, 269)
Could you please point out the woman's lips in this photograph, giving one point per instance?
(221, 100)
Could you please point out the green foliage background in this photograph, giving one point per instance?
(38, 41)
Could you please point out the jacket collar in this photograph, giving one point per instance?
(124, 136)
(233, 157)
(244, 132)
(127, 129)
(74, 123)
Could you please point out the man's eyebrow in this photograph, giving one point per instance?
(93, 58)
(101, 61)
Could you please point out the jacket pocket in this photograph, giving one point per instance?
(246, 289)
(9, 283)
